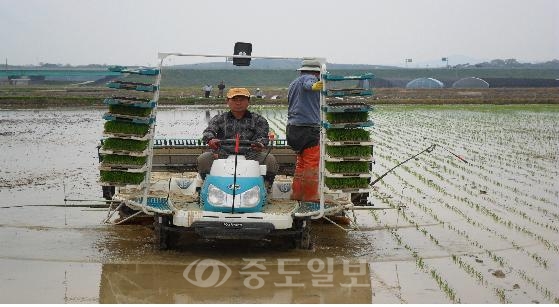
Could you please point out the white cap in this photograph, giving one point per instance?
(310, 65)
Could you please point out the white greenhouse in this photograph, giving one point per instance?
(470, 82)
(425, 83)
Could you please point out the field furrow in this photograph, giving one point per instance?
(497, 213)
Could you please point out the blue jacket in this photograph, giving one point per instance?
(304, 103)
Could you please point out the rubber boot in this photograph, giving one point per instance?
(296, 188)
(309, 185)
(269, 182)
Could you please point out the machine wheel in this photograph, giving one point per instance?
(108, 192)
(303, 239)
(359, 199)
(162, 236)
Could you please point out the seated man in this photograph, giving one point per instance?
(250, 126)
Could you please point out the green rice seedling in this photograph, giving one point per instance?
(375, 216)
(349, 151)
(126, 128)
(122, 177)
(348, 117)
(443, 285)
(347, 167)
(397, 237)
(501, 294)
(126, 145)
(124, 160)
(129, 110)
(420, 263)
(346, 183)
(348, 134)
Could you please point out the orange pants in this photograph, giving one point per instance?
(305, 179)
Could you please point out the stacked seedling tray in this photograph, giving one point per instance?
(348, 150)
(128, 131)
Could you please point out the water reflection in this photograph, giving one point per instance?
(277, 283)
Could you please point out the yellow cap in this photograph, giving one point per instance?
(238, 91)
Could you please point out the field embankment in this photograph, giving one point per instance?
(72, 96)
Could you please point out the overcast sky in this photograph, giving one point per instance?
(385, 32)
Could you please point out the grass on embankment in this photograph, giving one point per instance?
(57, 96)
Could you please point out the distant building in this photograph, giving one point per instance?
(425, 83)
(21, 81)
(470, 82)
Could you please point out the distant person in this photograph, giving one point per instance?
(303, 129)
(207, 89)
(259, 93)
(220, 87)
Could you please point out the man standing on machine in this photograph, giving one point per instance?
(303, 129)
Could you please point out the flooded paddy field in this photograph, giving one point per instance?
(486, 231)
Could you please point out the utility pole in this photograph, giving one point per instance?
(408, 61)
(445, 59)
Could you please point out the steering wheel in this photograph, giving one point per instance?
(228, 146)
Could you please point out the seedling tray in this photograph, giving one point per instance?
(346, 175)
(131, 101)
(128, 118)
(347, 117)
(129, 110)
(135, 86)
(348, 167)
(346, 107)
(358, 135)
(349, 151)
(123, 168)
(347, 190)
(328, 125)
(127, 136)
(143, 153)
(139, 71)
(342, 92)
(126, 128)
(134, 162)
(349, 158)
(330, 77)
(352, 143)
(120, 178)
(346, 183)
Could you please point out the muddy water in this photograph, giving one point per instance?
(57, 254)
(70, 257)
(53, 254)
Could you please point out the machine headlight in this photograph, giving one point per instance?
(216, 196)
(247, 199)
(251, 197)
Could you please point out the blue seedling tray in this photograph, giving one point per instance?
(131, 101)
